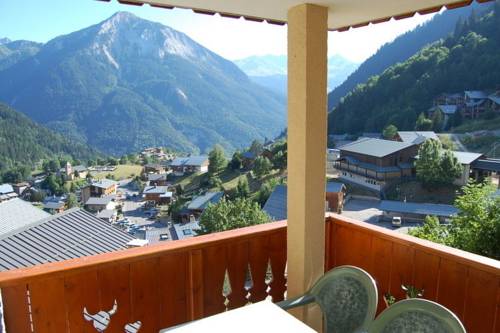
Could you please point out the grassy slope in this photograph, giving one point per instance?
(122, 172)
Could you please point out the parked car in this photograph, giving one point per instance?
(396, 221)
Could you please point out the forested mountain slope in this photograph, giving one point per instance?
(127, 83)
(402, 48)
(23, 142)
(467, 60)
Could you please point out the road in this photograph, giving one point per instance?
(133, 210)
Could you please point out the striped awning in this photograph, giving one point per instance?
(343, 14)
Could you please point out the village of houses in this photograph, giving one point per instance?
(113, 214)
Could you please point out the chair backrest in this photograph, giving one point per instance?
(416, 315)
(348, 298)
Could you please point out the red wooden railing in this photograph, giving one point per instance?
(467, 284)
(160, 286)
(171, 283)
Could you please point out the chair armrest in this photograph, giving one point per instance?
(296, 301)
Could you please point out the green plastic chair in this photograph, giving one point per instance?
(347, 296)
(416, 315)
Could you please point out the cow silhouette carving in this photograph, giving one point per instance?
(101, 319)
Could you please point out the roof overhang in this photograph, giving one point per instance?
(343, 14)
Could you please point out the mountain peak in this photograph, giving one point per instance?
(4, 40)
(122, 16)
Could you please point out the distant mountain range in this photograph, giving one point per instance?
(468, 59)
(127, 83)
(24, 142)
(270, 71)
(17, 51)
(403, 47)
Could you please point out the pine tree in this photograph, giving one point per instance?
(217, 160)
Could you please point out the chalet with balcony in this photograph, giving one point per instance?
(158, 179)
(374, 163)
(155, 168)
(195, 208)
(54, 204)
(99, 188)
(474, 103)
(160, 195)
(187, 165)
(97, 204)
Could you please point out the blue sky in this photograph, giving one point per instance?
(42, 20)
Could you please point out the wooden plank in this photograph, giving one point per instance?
(426, 273)
(277, 256)
(114, 284)
(237, 267)
(329, 244)
(496, 328)
(353, 248)
(342, 245)
(48, 308)
(173, 277)
(195, 285)
(16, 310)
(481, 301)
(215, 261)
(259, 259)
(144, 287)
(452, 285)
(402, 269)
(381, 257)
(81, 291)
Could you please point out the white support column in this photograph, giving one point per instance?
(307, 138)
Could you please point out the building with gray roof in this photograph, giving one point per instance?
(72, 234)
(375, 147)
(16, 214)
(201, 202)
(374, 163)
(185, 230)
(96, 204)
(412, 211)
(104, 183)
(466, 158)
(190, 164)
(276, 204)
(416, 137)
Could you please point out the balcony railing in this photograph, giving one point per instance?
(171, 283)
